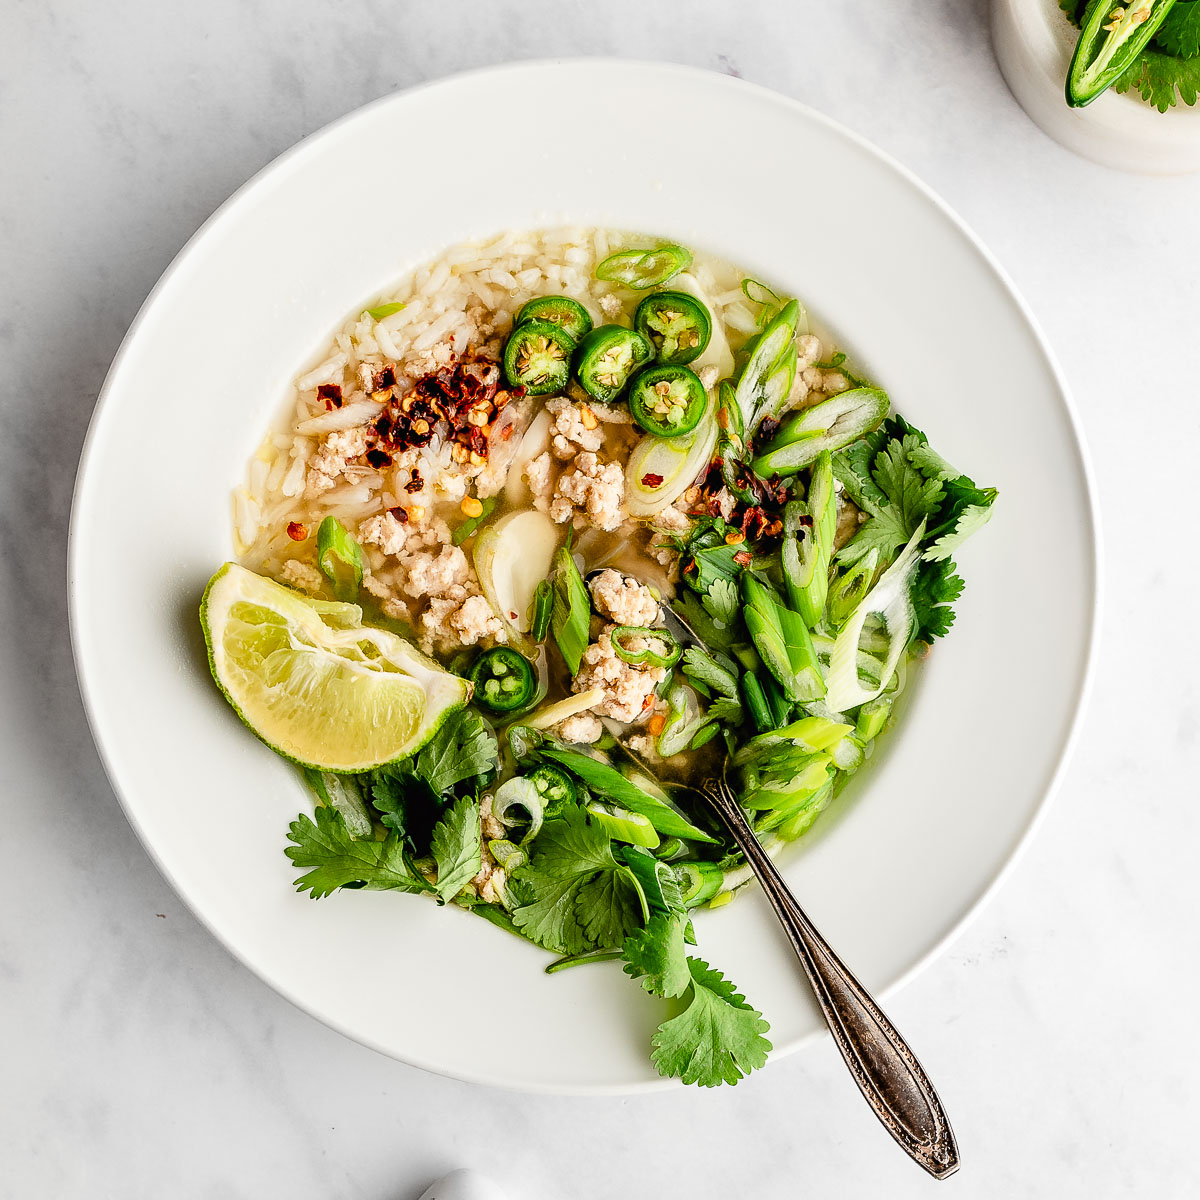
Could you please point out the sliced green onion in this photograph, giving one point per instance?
(771, 349)
(889, 599)
(571, 609)
(851, 586)
(543, 605)
(385, 310)
(551, 714)
(872, 718)
(344, 795)
(756, 703)
(508, 854)
(830, 425)
(699, 882)
(519, 792)
(581, 960)
(642, 269)
(660, 470)
(624, 826)
(471, 524)
(782, 640)
(340, 559)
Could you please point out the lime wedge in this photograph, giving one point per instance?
(314, 682)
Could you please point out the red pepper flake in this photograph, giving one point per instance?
(743, 558)
(331, 393)
(415, 483)
(399, 514)
(384, 378)
(296, 531)
(651, 480)
(767, 429)
(379, 459)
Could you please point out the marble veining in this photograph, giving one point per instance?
(138, 1060)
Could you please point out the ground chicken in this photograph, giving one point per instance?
(490, 825)
(331, 457)
(594, 488)
(302, 575)
(672, 520)
(538, 473)
(583, 727)
(628, 688)
(389, 602)
(610, 305)
(622, 600)
(808, 350)
(385, 532)
(570, 433)
(459, 617)
(426, 575)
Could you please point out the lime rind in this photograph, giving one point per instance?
(314, 683)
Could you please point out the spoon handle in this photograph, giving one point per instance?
(885, 1069)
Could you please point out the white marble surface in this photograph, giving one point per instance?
(138, 1060)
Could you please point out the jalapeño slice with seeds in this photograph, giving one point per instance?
(555, 786)
(562, 311)
(607, 358)
(667, 401)
(537, 357)
(677, 325)
(504, 680)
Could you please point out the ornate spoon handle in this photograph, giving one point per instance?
(885, 1069)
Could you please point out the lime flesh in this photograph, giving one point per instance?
(313, 682)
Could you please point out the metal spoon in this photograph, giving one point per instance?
(887, 1072)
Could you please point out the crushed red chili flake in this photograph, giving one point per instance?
(651, 480)
(767, 429)
(379, 458)
(296, 531)
(743, 558)
(384, 378)
(415, 482)
(399, 514)
(331, 393)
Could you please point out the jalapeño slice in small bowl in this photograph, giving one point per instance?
(562, 311)
(667, 400)
(677, 325)
(504, 680)
(606, 359)
(537, 357)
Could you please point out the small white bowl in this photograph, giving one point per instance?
(1034, 42)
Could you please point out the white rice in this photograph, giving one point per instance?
(470, 293)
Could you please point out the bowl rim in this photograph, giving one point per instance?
(1083, 687)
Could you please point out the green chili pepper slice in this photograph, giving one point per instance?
(555, 786)
(543, 606)
(649, 655)
(642, 269)
(537, 357)
(1111, 38)
(667, 401)
(606, 359)
(677, 325)
(504, 680)
(567, 314)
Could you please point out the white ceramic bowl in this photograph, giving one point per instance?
(899, 862)
(1034, 42)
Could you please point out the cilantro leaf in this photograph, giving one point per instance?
(657, 956)
(909, 499)
(463, 748)
(935, 588)
(1179, 34)
(405, 803)
(724, 708)
(714, 634)
(457, 847)
(338, 860)
(704, 670)
(1158, 79)
(721, 601)
(717, 1039)
(582, 898)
